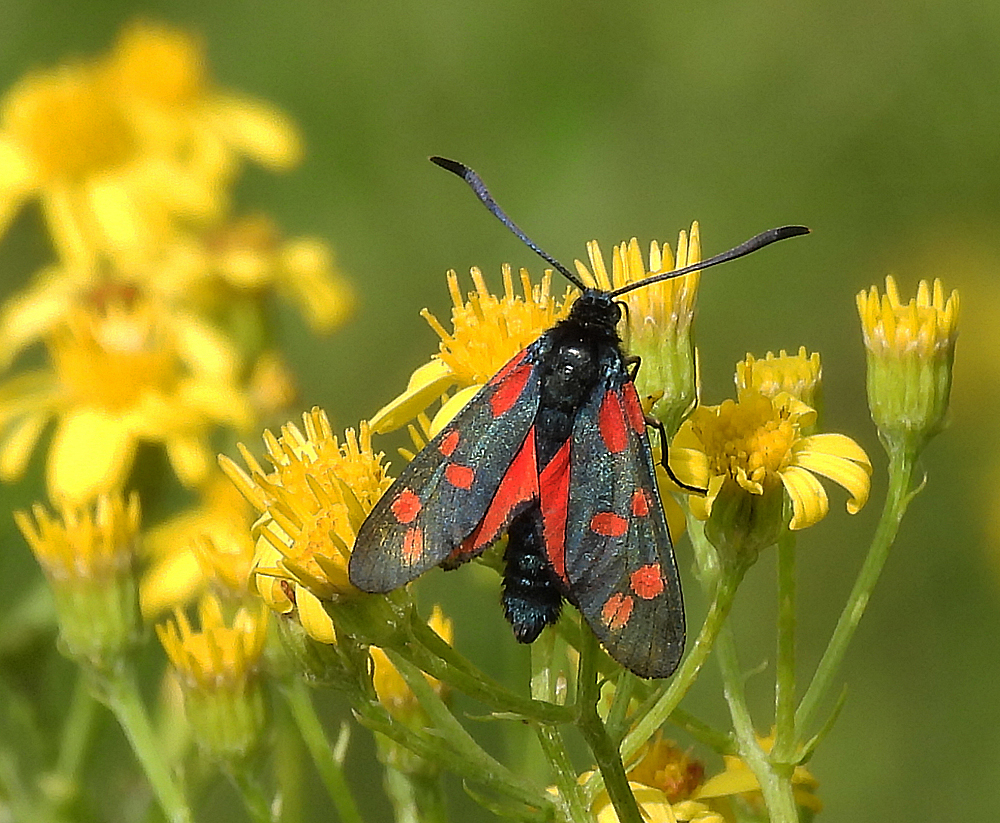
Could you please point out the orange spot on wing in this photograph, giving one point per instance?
(406, 507)
(611, 421)
(640, 503)
(608, 524)
(460, 476)
(509, 389)
(647, 582)
(413, 545)
(449, 443)
(616, 611)
(553, 488)
(519, 485)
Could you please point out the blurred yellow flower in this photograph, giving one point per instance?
(125, 369)
(311, 504)
(796, 374)
(208, 543)
(756, 444)
(487, 332)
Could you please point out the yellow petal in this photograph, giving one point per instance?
(190, 458)
(170, 582)
(91, 452)
(426, 384)
(809, 500)
(18, 443)
(839, 445)
(203, 348)
(449, 409)
(258, 130)
(852, 476)
(313, 616)
(690, 466)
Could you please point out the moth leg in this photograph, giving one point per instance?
(652, 422)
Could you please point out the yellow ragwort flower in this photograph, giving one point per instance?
(125, 369)
(911, 351)
(657, 325)
(737, 782)
(311, 503)
(756, 446)
(217, 666)
(87, 554)
(487, 332)
(161, 74)
(206, 545)
(796, 374)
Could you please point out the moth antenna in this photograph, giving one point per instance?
(765, 238)
(477, 185)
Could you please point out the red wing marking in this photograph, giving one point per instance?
(640, 503)
(508, 392)
(449, 443)
(633, 409)
(554, 491)
(413, 545)
(616, 611)
(647, 581)
(519, 485)
(611, 420)
(460, 476)
(608, 524)
(406, 507)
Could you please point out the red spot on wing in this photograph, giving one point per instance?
(554, 493)
(460, 476)
(616, 611)
(611, 421)
(608, 524)
(640, 503)
(519, 485)
(406, 507)
(449, 443)
(647, 581)
(413, 545)
(509, 388)
(633, 408)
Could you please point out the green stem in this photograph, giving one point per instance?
(122, 695)
(400, 791)
(562, 772)
(784, 682)
(775, 784)
(255, 799)
(76, 733)
(304, 713)
(605, 752)
(901, 468)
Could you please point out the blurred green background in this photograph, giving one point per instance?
(875, 124)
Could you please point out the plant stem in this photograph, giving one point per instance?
(562, 772)
(784, 679)
(255, 799)
(304, 713)
(120, 690)
(898, 497)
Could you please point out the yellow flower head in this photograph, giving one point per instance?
(250, 255)
(795, 374)
(87, 554)
(217, 656)
(391, 688)
(738, 781)
(218, 666)
(125, 369)
(312, 503)
(755, 446)
(911, 350)
(658, 320)
(487, 332)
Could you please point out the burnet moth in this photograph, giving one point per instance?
(552, 451)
